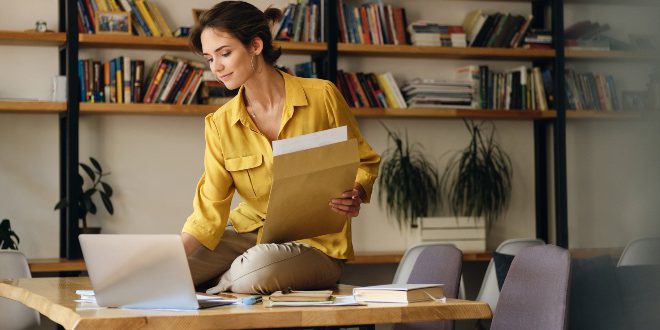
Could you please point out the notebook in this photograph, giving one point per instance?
(142, 272)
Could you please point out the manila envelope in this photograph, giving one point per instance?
(304, 182)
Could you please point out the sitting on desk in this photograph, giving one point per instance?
(223, 247)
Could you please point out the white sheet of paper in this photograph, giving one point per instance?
(308, 141)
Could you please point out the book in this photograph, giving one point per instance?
(399, 293)
(306, 296)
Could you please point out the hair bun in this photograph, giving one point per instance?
(273, 14)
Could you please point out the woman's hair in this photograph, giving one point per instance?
(242, 20)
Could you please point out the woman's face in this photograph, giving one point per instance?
(228, 58)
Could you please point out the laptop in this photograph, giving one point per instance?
(141, 271)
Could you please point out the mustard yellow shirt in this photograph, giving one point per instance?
(239, 157)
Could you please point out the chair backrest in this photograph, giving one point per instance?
(643, 251)
(535, 292)
(431, 263)
(489, 291)
(15, 315)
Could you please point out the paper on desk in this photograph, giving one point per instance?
(338, 301)
(308, 141)
(304, 182)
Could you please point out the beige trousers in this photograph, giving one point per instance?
(239, 265)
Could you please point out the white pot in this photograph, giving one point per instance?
(467, 234)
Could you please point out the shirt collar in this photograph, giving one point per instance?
(295, 96)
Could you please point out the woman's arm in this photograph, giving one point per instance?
(190, 243)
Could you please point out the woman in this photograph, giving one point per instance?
(234, 37)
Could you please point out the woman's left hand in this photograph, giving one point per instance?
(349, 202)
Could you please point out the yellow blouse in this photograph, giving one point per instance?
(239, 157)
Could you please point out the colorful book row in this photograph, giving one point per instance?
(146, 17)
(370, 90)
(374, 23)
(303, 21)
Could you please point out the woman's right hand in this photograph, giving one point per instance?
(190, 243)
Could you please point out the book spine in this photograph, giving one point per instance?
(147, 17)
(162, 24)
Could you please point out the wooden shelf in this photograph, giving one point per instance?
(147, 109)
(451, 113)
(410, 51)
(32, 38)
(586, 114)
(32, 106)
(179, 44)
(611, 55)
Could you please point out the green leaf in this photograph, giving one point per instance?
(106, 187)
(107, 202)
(96, 164)
(61, 204)
(88, 170)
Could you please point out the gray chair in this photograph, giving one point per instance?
(535, 292)
(643, 251)
(489, 291)
(14, 315)
(428, 264)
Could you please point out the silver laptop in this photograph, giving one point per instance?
(140, 271)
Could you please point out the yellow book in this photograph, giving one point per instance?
(112, 6)
(147, 17)
(120, 85)
(100, 5)
(382, 81)
(162, 24)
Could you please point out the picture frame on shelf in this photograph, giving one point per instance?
(113, 22)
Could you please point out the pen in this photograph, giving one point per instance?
(251, 300)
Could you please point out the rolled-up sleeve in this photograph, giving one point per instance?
(214, 193)
(369, 159)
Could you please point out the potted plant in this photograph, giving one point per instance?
(8, 238)
(409, 184)
(477, 181)
(86, 204)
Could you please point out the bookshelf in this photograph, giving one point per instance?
(91, 41)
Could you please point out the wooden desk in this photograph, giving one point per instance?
(54, 297)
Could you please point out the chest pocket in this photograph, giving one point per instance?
(248, 174)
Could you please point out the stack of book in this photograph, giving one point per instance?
(119, 80)
(435, 34)
(372, 23)
(303, 21)
(370, 90)
(431, 93)
(174, 80)
(146, 18)
(300, 298)
(496, 30)
(589, 91)
(399, 293)
(587, 35)
(538, 39)
(520, 88)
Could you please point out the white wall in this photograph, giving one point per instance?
(156, 161)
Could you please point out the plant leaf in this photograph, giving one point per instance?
(61, 204)
(107, 202)
(88, 170)
(106, 187)
(96, 164)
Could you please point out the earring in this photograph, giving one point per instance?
(252, 64)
